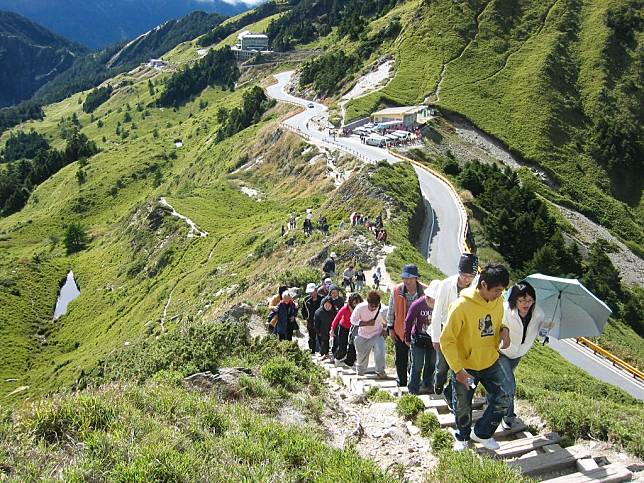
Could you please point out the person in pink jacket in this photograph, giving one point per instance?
(340, 328)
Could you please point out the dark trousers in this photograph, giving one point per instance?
(342, 350)
(498, 399)
(402, 361)
(310, 328)
(440, 377)
(287, 336)
(323, 338)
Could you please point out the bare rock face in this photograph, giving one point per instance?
(225, 381)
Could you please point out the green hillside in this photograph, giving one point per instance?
(557, 82)
(199, 138)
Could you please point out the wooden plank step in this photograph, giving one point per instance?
(439, 403)
(518, 447)
(448, 419)
(606, 474)
(545, 463)
(501, 433)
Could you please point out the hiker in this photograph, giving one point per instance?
(417, 338)
(402, 296)
(308, 227)
(343, 350)
(277, 298)
(283, 230)
(347, 278)
(525, 320)
(377, 277)
(322, 321)
(470, 343)
(448, 292)
(379, 221)
(361, 279)
(367, 316)
(325, 287)
(310, 305)
(336, 298)
(329, 266)
(286, 317)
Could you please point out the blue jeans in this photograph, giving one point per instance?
(498, 401)
(440, 378)
(509, 365)
(422, 360)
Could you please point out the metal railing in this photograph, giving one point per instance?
(634, 371)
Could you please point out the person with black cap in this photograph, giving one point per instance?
(402, 296)
(448, 292)
(310, 305)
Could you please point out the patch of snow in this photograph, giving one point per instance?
(250, 192)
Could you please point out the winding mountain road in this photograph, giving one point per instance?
(440, 235)
(440, 239)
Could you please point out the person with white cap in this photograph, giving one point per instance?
(417, 338)
(310, 305)
(402, 296)
(448, 292)
(329, 266)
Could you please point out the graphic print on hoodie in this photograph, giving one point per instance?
(470, 339)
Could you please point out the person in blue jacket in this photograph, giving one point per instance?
(286, 317)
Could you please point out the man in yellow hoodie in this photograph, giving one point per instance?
(470, 343)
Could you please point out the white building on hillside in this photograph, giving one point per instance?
(252, 41)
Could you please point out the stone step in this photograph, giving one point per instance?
(518, 447)
(545, 463)
(609, 473)
(447, 420)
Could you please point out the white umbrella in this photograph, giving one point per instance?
(575, 310)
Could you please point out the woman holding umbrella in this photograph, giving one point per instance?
(525, 320)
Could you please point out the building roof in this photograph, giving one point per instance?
(250, 35)
(393, 111)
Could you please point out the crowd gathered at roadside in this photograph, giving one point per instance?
(448, 336)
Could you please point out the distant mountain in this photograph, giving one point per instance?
(98, 23)
(30, 56)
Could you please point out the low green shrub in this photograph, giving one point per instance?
(282, 372)
(442, 440)
(468, 467)
(375, 394)
(215, 422)
(76, 416)
(409, 405)
(428, 423)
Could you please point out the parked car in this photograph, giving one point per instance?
(311, 105)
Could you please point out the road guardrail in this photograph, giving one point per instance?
(634, 371)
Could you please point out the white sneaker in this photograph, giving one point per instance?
(460, 445)
(489, 443)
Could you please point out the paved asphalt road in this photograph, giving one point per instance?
(441, 231)
(597, 366)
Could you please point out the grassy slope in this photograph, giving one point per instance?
(519, 72)
(116, 306)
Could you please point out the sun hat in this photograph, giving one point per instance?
(311, 287)
(409, 271)
(432, 290)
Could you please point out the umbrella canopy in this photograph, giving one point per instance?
(574, 309)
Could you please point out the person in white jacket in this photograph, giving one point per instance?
(525, 320)
(448, 292)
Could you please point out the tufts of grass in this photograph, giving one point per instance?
(375, 394)
(467, 466)
(428, 423)
(409, 406)
(442, 441)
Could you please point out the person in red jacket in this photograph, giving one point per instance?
(340, 328)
